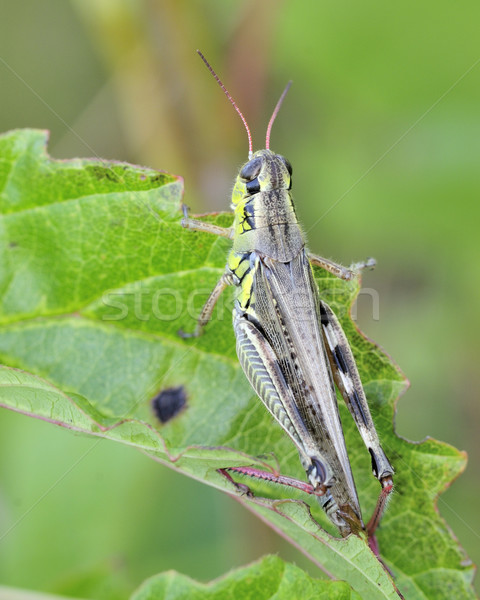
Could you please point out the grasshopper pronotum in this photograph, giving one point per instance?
(289, 342)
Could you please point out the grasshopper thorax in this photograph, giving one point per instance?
(265, 171)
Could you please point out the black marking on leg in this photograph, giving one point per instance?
(323, 316)
(340, 360)
(319, 468)
(168, 403)
(356, 401)
(374, 463)
(353, 394)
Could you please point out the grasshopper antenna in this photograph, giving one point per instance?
(275, 113)
(234, 104)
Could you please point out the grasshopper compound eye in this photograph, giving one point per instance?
(251, 169)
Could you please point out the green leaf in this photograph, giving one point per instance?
(96, 278)
(268, 579)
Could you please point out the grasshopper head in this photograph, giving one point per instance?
(263, 172)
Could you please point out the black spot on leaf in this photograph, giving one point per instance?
(168, 403)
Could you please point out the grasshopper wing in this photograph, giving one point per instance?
(280, 345)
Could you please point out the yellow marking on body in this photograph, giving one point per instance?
(240, 207)
(245, 225)
(239, 192)
(242, 268)
(246, 290)
(241, 223)
(234, 260)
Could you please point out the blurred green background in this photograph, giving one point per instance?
(382, 127)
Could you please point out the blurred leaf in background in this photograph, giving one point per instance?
(382, 128)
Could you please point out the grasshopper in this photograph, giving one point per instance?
(289, 342)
